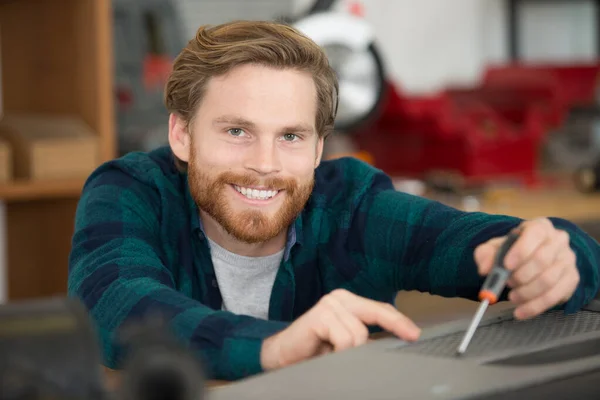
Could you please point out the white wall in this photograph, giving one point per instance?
(431, 43)
(571, 36)
(428, 42)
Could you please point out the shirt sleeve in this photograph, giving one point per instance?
(118, 274)
(418, 244)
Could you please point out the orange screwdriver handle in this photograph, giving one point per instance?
(496, 280)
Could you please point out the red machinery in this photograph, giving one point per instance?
(491, 131)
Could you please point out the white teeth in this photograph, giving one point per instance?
(256, 194)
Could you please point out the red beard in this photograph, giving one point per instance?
(250, 226)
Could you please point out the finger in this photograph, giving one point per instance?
(545, 256)
(556, 295)
(336, 332)
(533, 234)
(537, 287)
(385, 315)
(357, 329)
(542, 272)
(485, 253)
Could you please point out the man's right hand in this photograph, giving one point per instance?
(337, 322)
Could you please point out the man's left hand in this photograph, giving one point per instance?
(543, 265)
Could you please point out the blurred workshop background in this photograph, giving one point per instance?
(487, 105)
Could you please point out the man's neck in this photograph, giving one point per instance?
(217, 234)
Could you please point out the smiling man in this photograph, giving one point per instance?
(257, 254)
(250, 174)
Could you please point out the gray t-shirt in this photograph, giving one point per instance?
(245, 282)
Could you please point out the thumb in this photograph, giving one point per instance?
(484, 254)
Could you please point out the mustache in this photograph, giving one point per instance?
(244, 180)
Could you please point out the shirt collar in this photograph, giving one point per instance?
(291, 240)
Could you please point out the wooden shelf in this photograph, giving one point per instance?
(56, 60)
(27, 190)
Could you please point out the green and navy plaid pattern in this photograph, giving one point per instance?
(138, 250)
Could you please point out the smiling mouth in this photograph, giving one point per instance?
(256, 194)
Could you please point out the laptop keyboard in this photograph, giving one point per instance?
(510, 334)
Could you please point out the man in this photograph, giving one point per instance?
(257, 254)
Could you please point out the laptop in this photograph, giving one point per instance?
(551, 356)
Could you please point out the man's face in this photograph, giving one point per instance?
(254, 149)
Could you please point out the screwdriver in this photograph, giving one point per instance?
(490, 291)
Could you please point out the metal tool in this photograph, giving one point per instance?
(490, 291)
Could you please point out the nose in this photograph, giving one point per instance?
(263, 158)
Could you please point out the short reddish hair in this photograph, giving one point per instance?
(216, 50)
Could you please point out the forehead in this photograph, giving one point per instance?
(262, 94)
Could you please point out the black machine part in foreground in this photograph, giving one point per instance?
(158, 367)
(49, 350)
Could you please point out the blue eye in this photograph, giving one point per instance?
(289, 137)
(235, 131)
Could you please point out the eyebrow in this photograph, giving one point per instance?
(233, 120)
(245, 123)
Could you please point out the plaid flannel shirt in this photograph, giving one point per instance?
(138, 249)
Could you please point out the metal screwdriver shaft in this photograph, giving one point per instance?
(491, 290)
(472, 327)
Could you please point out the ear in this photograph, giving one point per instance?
(319, 151)
(179, 137)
